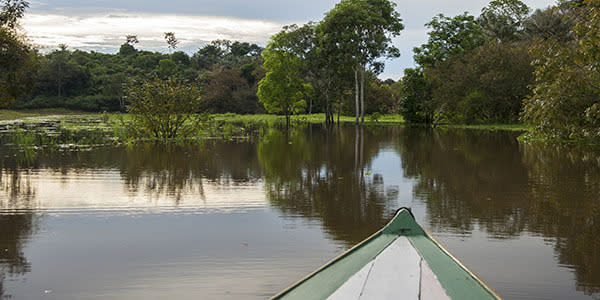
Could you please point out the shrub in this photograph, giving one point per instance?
(165, 109)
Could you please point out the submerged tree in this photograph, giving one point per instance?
(165, 109)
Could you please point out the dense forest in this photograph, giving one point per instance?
(509, 65)
(506, 65)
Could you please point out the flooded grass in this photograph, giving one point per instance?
(72, 129)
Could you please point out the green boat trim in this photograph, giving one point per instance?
(457, 280)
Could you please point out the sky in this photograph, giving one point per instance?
(101, 25)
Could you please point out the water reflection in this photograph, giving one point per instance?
(322, 175)
(473, 178)
(565, 205)
(470, 183)
(467, 177)
(15, 230)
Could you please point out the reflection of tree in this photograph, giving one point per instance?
(158, 169)
(321, 175)
(565, 205)
(15, 230)
(467, 177)
(475, 177)
(16, 191)
(174, 169)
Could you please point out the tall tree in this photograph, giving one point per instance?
(171, 40)
(565, 101)
(362, 31)
(503, 19)
(132, 39)
(449, 36)
(17, 57)
(282, 90)
(12, 12)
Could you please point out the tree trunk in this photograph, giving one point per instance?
(362, 95)
(327, 112)
(356, 93)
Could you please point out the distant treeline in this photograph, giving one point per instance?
(228, 73)
(92, 81)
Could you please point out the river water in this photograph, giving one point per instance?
(243, 219)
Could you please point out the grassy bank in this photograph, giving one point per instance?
(510, 127)
(113, 118)
(227, 124)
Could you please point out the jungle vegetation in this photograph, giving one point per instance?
(506, 65)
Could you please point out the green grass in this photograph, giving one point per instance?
(510, 127)
(114, 119)
(312, 118)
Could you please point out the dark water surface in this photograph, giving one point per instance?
(244, 219)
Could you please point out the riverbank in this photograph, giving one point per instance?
(65, 114)
(63, 126)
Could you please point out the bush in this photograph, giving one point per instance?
(165, 109)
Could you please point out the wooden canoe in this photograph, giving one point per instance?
(400, 261)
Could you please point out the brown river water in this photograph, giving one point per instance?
(243, 219)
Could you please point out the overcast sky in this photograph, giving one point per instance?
(102, 25)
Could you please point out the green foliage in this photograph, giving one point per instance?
(503, 19)
(380, 98)
(94, 81)
(566, 94)
(416, 105)
(485, 85)
(12, 11)
(363, 29)
(449, 37)
(165, 109)
(166, 68)
(549, 23)
(18, 64)
(282, 90)
(126, 50)
(232, 90)
(17, 58)
(356, 33)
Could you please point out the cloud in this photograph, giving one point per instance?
(102, 32)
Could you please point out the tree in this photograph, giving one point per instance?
(361, 32)
(166, 68)
(503, 19)
(164, 109)
(282, 89)
(566, 95)
(416, 105)
(12, 12)
(132, 39)
(60, 76)
(17, 58)
(449, 37)
(552, 22)
(484, 85)
(171, 40)
(230, 90)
